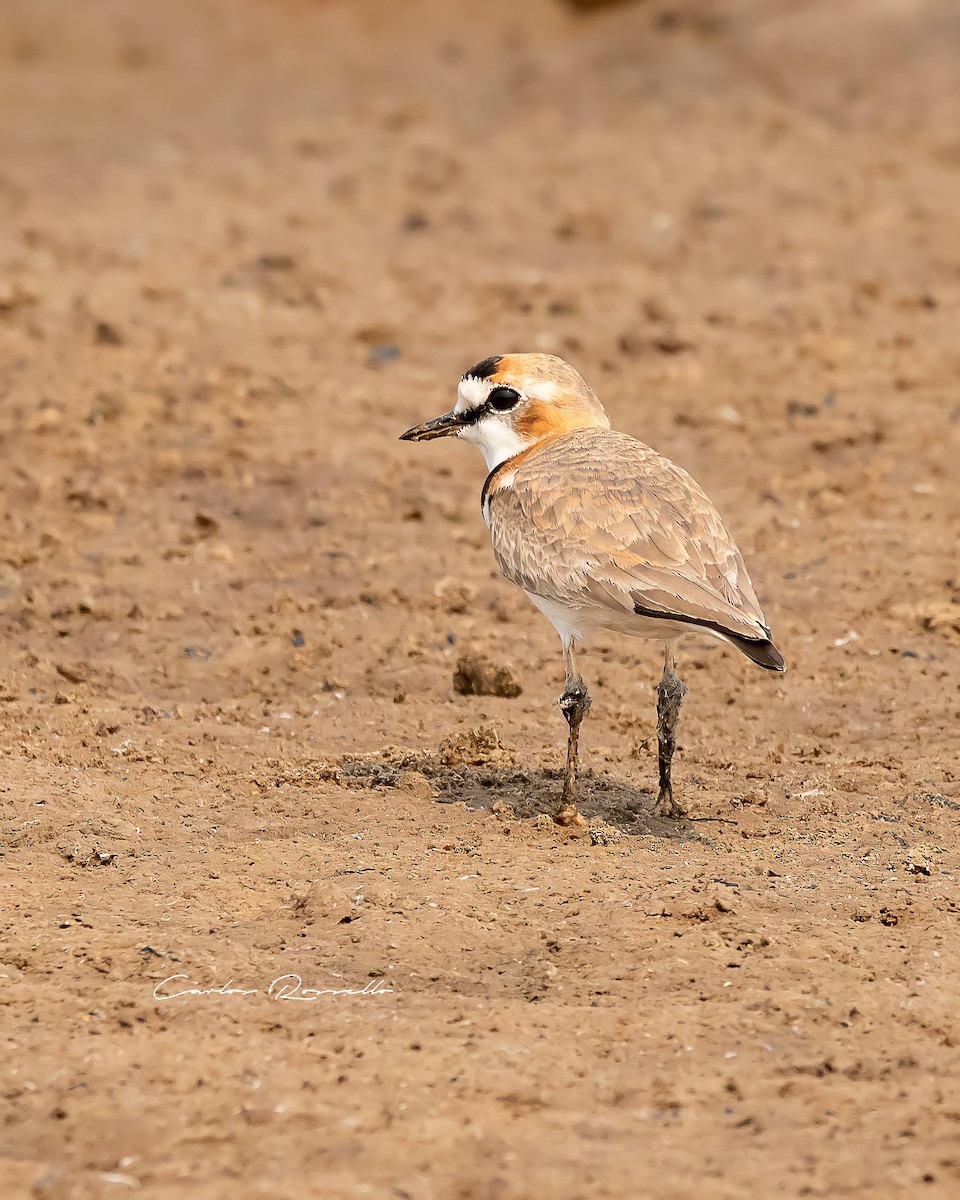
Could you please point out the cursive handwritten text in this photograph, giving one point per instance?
(284, 987)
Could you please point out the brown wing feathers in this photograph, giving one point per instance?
(598, 517)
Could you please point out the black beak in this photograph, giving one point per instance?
(444, 426)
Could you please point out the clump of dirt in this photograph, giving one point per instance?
(369, 773)
(475, 748)
(323, 900)
(476, 675)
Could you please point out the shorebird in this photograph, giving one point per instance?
(602, 533)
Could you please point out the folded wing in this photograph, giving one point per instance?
(598, 517)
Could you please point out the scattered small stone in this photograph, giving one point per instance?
(635, 345)
(672, 344)
(382, 354)
(93, 858)
(375, 774)
(939, 800)
(584, 226)
(105, 334)
(276, 262)
(604, 835)
(205, 523)
(75, 672)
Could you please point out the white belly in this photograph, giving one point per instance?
(581, 622)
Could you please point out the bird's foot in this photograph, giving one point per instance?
(567, 814)
(667, 805)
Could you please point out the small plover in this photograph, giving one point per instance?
(601, 532)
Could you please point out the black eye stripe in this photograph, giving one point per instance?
(473, 415)
(500, 400)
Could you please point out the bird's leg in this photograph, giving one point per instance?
(573, 704)
(670, 695)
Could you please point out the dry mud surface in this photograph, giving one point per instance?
(243, 246)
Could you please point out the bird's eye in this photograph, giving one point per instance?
(502, 399)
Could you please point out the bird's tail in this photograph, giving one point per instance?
(761, 651)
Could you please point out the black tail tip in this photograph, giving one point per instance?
(764, 654)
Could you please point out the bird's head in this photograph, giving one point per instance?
(509, 402)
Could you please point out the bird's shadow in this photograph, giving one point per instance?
(603, 801)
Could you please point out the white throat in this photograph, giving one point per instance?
(495, 439)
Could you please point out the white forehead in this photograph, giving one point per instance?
(473, 392)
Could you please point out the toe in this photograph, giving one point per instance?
(568, 815)
(667, 806)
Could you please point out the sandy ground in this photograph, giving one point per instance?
(242, 247)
